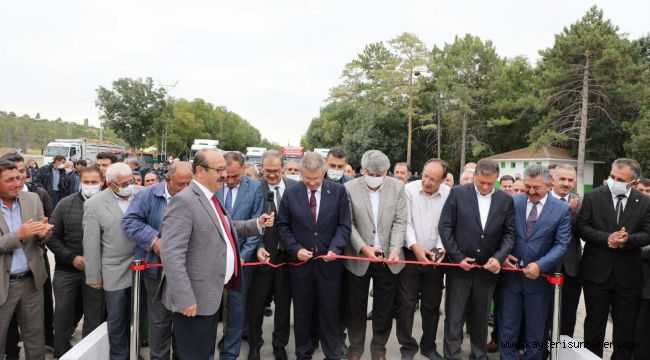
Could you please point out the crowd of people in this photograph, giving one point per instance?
(488, 242)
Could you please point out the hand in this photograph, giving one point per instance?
(510, 262)
(189, 311)
(331, 256)
(96, 286)
(79, 263)
(28, 229)
(623, 236)
(574, 203)
(532, 271)
(492, 265)
(263, 255)
(441, 254)
(393, 255)
(467, 264)
(155, 247)
(421, 253)
(304, 255)
(266, 220)
(46, 229)
(370, 252)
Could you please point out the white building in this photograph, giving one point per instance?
(514, 162)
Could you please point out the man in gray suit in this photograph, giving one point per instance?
(108, 253)
(22, 226)
(564, 182)
(200, 254)
(378, 205)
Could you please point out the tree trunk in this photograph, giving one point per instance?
(463, 145)
(439, 152)
(582, 142)
(409, 138)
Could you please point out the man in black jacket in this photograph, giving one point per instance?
(269, 281)
(66, 243)
(51, 177)
(614, 222)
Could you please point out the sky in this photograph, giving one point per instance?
(272, 62)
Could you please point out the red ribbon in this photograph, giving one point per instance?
(552, 279)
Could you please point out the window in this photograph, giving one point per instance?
(513, 165)
(503, 164)
(525, 164)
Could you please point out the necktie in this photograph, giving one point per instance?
(278, 197)
(228, 203)
(226, 226)
(532, 219)
(619, 208)
(563, 199)
(312, 205)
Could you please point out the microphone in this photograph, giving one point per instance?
(270, 202)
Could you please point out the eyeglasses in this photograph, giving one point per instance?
(218, 170)
(126, 185)
(272, 172)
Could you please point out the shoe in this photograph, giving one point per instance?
(432, 355)
(268, 312)
(254, 353)
(279, 353)
(369, 316)
(492, 346)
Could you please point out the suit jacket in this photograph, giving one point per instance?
(193, 251)
(249, 204)
(461, 231)
(108, 251)
(142, 222)
(30, 208)
(546, 245)
(391, 225)
(597, 220)
(331, 232)
(271, 240)
(645, 256)
(571, 262)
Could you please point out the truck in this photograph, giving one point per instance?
(200, 144)
(293, 153)
(323, 152)
(254, 154)
(78, 149)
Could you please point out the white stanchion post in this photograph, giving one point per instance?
(557, 305)
(135, 310)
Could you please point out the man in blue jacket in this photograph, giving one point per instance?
(142, 223)
(242, 198)
(543, 234)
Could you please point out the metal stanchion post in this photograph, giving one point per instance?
(137, 268)
(558, 281)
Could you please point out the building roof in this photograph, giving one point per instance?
(543, 152)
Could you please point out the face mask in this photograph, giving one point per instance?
(89, 190)
(374, 181)
(67, 171)
(616, 187)
(127, 191)
(61, 166)
(293, 177)
(334, 175)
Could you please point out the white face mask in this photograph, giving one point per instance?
(127, 191)
(334, 175)
(60, 166)
(293, 177)
(374, 181)
(89, 190)
(67, 171)
(616, 187)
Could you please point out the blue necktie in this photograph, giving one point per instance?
(229, 200)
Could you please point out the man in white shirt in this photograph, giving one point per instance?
(424, 201)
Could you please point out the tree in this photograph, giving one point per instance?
(38, 116)
(588, 76)
(134, 109)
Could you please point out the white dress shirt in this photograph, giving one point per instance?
(623, 201)
(374, 202)
(123, 204)
(423, 214)
(317, 196)
(484, 202)
(566, 197)
(230, 252)
(540, 206)
(281, 186)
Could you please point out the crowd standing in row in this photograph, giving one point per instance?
(204, 219)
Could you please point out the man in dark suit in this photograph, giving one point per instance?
(543, 233)
(269, 281)
(51, 177)
(476, 227)
(315, 221)
(200, 255)
(242, 198)
(564, 182)
(614, 222)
